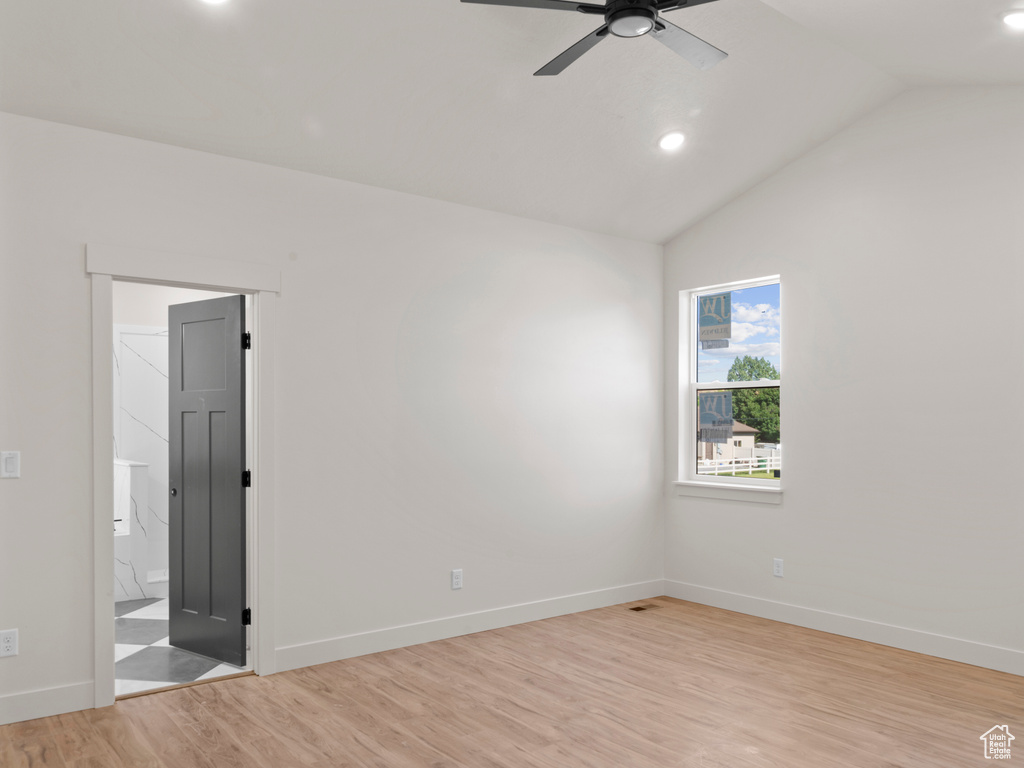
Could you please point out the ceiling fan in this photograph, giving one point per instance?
(625, 18)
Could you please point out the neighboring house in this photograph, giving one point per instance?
(739, 446)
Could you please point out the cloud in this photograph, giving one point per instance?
(758, 322)
(760, 314)
(743, 331)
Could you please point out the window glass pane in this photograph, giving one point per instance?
(738, 433)
(739, 335)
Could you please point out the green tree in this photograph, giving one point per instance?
(757, 408)
(749, 368)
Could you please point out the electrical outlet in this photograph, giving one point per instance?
(457, 578)
(777, 567)
(9, 642)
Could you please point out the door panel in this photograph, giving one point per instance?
(204, 370)
(207, 461)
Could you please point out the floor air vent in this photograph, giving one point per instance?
(643, 607)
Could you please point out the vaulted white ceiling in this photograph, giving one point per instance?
(437, 97)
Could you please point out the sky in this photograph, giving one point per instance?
(756, 331)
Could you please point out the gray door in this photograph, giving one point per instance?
(207, 464)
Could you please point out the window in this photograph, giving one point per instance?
(731, 349)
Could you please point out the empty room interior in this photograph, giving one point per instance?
(516, 476)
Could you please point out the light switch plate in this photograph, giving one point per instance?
(10, 464)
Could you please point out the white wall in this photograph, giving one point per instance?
(455, 388)
(900, 243)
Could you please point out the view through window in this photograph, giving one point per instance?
(736, 378)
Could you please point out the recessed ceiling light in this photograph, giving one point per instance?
(670, 142)
(215, 2)
(1014, 20)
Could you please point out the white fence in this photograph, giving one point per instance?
(730, 466)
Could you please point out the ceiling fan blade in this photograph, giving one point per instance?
(553, 5)
(675, 5)
(702, 55)
(568, 56)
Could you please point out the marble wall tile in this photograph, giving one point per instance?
(122, 498)
(131, 545)
(141, 435)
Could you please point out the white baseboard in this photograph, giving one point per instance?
(348, 646)
(30, 705)
(16, 707)
(954, 649)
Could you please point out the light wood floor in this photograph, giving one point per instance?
(676, 685)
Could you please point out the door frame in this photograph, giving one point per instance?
(262, 284)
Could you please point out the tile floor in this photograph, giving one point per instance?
(143, 657)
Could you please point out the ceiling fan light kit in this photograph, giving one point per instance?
(625, 18)
(631, 21)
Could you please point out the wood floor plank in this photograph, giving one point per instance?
(152, 723)
(104, 735)
(78, 740)
(30, 743)
(268, 728)
(678, 685)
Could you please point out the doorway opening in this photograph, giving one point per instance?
(260, 285)
(146, 656)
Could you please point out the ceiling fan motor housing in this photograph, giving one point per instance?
(630, 18)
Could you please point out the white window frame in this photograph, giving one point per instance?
(690, 483)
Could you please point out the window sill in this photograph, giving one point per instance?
(758, 494)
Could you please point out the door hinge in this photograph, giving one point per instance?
(247, 617)
(246, 340)
(247, 479)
